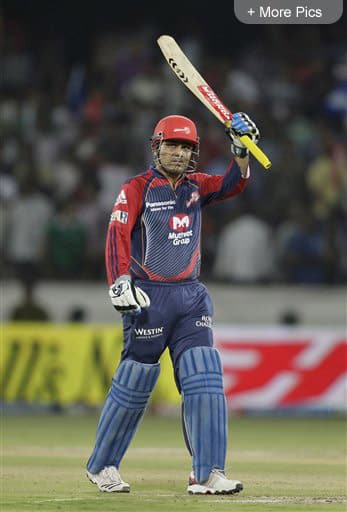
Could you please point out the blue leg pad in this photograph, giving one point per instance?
(125, 404)
(205, 411)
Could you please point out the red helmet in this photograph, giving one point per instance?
(176, 128)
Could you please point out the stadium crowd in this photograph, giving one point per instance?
(73, 132)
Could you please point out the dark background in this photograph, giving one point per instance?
(81, 89)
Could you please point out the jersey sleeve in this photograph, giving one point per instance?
(123, 219)
(217, 188)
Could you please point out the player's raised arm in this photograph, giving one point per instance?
(216, 188)
(242, 125)
(192, 79)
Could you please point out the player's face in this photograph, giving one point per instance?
(175, 156)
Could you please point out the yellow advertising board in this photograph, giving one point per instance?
(67, 364)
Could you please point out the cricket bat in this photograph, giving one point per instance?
(192, 79)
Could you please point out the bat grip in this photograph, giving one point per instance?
(256, 151)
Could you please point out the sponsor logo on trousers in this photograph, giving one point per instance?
(149, 333)
(206, 321)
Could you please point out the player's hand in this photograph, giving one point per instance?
(241, 125)
(126, 297)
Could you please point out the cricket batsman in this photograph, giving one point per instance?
(153, 262)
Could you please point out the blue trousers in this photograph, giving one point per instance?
(179, 317)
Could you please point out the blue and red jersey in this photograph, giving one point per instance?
(154, 230)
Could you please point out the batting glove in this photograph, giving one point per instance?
(126, 297)
(242, 125)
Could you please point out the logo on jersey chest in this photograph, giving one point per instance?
(159, 206)
(194, 198)
(180, 222)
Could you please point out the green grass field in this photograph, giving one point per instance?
(285, 464)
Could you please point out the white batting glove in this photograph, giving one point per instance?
(126, 297)
(242, 124)
(237, 148)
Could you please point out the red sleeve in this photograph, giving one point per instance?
(216, 188)
(124, 215)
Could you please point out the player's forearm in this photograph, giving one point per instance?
(243, 163)
(117, 254)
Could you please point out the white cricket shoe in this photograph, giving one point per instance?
(109, 480)
(217, 483)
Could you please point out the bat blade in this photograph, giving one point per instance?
(192, 79)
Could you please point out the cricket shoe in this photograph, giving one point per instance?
(109, 480)
(217, 483)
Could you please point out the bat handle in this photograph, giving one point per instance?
(256, 152)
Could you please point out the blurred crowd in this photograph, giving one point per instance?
(73, 132)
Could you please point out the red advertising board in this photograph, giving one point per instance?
(278, 367)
